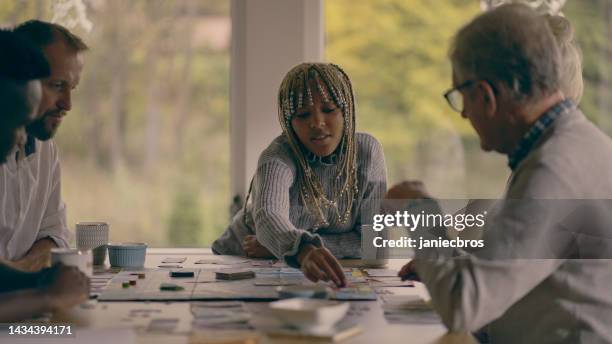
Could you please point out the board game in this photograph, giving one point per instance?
(202, 284)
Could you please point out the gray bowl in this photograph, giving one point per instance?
(127, 255)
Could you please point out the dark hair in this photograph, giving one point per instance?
(43, 33)
(20, 60)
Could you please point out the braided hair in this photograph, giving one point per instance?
(334, 85)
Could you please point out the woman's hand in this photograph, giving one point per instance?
(318, 264)
(254, 249)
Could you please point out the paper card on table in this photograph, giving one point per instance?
(414, 317)
(404, 302)
(276, 282)
(94, 283)
(264, 263)
(355, 294)
(218, 304)
(216, 261)
(408, 309)
(381, 272)
(221, 319)
(229, 314)
(162, 325)
(234, 274)
(234, 261)
(210, 313)
(388, 282)
(290, 271)
(174, 260)
(144, 310)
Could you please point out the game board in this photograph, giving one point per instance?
(204, 286)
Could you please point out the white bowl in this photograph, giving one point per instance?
(314, 291)
(309, 314)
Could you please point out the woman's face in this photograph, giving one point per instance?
(319, 126)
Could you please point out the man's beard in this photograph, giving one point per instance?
(38, 128)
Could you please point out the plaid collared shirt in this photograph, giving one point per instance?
(537, 129)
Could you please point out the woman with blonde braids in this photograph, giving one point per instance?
(314, 182)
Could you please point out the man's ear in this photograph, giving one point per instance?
(488, 97)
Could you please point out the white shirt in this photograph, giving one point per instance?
(31, 206)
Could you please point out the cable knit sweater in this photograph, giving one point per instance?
(280, 220)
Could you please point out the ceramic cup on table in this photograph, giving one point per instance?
(73, 257)
(127, 255)
(93, 236)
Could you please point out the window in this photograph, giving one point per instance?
(592, 21)
(399, 67)
(146, 145)
(395, 51)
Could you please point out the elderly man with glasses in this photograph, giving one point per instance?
(545, 271)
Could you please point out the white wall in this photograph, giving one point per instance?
(268, 38)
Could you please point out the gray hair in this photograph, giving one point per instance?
(511, 45)
(570, 80)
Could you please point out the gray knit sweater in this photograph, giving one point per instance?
(282, 222)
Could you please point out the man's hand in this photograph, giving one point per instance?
(38, 257)
(69, 287)
(410, 189)
(33, 262)
(318, 264)
(254, 249)
(408, 272)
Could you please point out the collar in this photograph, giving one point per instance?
(30, 146)
(28, 149)
(329, 160)
(534, 133)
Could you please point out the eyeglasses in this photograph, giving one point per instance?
(454, 97)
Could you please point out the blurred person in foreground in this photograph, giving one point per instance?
(552, 283)
(25, 294)
(32, 212)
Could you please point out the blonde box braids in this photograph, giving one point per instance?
(334, 85)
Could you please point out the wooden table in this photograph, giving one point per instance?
(106, 317)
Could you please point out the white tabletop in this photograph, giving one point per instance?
(105, 319)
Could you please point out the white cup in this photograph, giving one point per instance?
(73, 257)
(93, 236)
